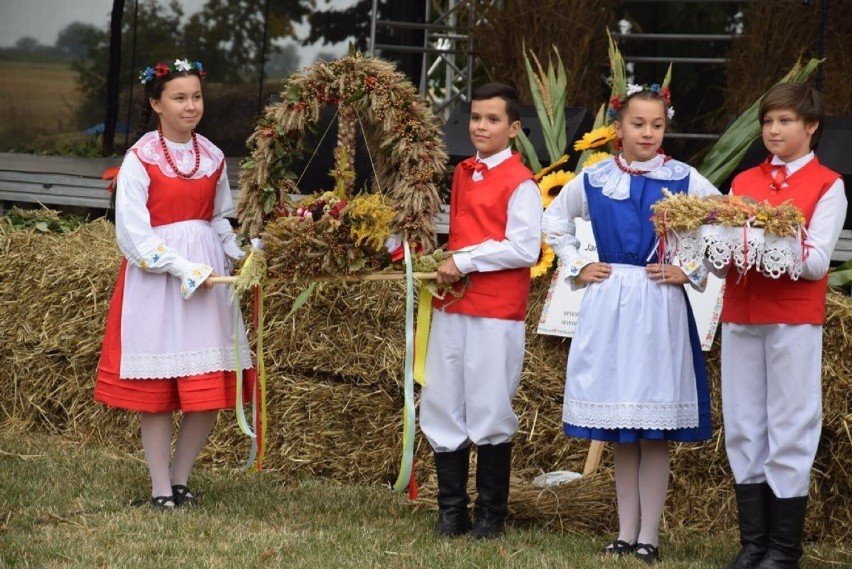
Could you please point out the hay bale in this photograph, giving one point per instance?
(335, 398)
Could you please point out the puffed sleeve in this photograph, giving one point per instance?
(560, 229)
(223, 207)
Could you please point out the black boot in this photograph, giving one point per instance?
(786, 524)
(452, 468)
(753, 506)
(493, 465)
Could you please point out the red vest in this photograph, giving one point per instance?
(177, 199)
(478, 212)
(757, 299)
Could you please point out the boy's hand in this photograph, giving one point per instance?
(448, 272)
(666, 274)
(594, 273)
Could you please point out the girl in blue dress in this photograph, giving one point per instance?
(636, 376)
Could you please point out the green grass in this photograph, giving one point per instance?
(64, 504)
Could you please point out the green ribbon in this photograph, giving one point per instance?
(408, 413)
(238, 403)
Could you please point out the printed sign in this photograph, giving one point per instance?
(562, 305)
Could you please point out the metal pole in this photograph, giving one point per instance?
(424, 68)
(373, 17)
(132, 77)
(262, 57)
(823, 24)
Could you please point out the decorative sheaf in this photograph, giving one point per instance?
(407, 154)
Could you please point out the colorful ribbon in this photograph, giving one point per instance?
(255, 459)
(408, 414)
(421, 338)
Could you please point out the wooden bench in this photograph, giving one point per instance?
(843, 250)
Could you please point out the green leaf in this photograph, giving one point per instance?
(840, 279)
(729, 150)
(42, 226)
(301, 299)
(668, 78)
(526, 150)
(294, 94)
(616, 65)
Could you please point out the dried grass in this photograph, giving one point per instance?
(776, 33)
(574, 27)
(335, 398)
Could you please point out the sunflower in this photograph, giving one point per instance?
(595, 158)
(545, 171)
(545, 260)
(552, 183)
(595, 138)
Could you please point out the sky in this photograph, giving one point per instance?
(44, 19)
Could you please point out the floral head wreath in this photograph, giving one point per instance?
(664, 92)
(163, 69)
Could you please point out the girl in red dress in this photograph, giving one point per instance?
(169, 340)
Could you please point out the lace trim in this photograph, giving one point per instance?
(631, 415)
(746, 248)
(160, 366)
(148, 150)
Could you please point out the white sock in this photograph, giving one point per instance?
(193, 433)
(627, 489)
(156, 440)
(653, 485)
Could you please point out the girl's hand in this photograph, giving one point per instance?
(207, 282)
(666, 274)
(594, 273)
(448, 272)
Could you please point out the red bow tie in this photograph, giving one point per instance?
(779, 178)
(475, 165)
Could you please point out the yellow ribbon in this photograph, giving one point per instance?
(421, 338)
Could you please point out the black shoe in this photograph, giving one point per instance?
(753, 509)
(183, 496)
(786, 524)
(618, 548)
(452, 470)
(493, 466)
(647, 553)
(163, 503)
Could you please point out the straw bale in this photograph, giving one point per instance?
(335, 397)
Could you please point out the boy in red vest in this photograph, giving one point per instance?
(772, 338)
(476, 343)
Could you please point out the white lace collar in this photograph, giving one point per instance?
(615, 183)
(148, 150)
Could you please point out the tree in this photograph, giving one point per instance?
(158, 34)
(230, 34)
(27, 44)
(76, 38)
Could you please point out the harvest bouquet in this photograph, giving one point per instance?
(732, 230)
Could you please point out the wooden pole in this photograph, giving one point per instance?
(593, 459)
(394, 276)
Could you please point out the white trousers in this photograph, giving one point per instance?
(473, 367)
(772, 403)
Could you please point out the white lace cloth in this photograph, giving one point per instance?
(746, 248)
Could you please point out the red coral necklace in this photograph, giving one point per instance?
(172, 162)
(634, 171)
